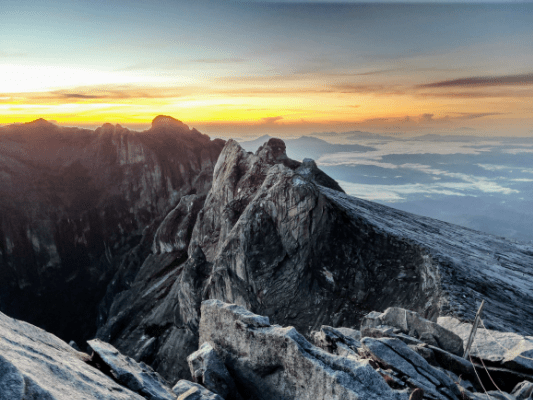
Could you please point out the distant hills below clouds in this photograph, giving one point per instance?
(484, 183)
(307, 147)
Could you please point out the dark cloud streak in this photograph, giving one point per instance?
(271, 120)
(482, 81)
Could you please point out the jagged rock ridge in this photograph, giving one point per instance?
(77, 205)
(280, 238)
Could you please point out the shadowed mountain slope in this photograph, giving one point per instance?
(75, 204)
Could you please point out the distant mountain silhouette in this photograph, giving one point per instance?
(306, 147)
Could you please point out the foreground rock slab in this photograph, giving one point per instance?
(271, 362)
(35, 364)
(411, 323)
(137, 377)
(508, 349)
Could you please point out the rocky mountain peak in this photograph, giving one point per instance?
(166, 121)
(274, 150)
(108, 128)
(40, 122)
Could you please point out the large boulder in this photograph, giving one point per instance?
(35, 364)
(271, 362)
(208, 370)
(506, 349)
(411, 323)
(139, 378)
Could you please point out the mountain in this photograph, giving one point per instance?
(282, 239)
(75, 204)
(126, 233)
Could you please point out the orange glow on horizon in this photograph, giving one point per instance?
(262, 105)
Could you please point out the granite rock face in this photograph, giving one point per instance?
(281, 239)
(150, 226)
(271, 362)
(35, 364)
(75, 205)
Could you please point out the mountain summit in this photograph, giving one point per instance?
(167, 122)
(282, 239)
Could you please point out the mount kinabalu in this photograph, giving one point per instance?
(276, 236)
(74, 206)
(282, 239)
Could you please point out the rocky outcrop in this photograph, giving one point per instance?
(139, 378)
(411, 323)
(207, 369)
(75, 205)
(268, 361)
(271, 362)
(393, 353)
(35, 364)
(505, 349)
(281, 239)
(243, 356)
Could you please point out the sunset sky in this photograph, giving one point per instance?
(253, 67)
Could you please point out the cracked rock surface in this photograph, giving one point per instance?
(35, 364)
(271, 362)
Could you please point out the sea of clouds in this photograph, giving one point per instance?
(481, 183)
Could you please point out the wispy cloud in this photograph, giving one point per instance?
(102, 92)
(271, 120)
(477, 81)
(475, 115)
(367, 89)
(220, 60)
(378, 72)
(395, 193)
